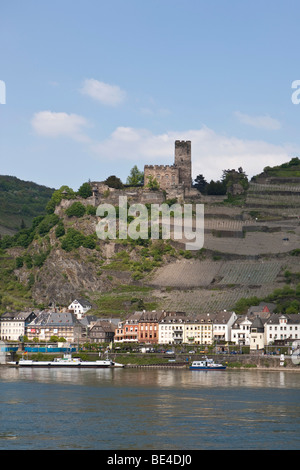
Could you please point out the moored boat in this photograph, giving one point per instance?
(68, 361)
(206, 364)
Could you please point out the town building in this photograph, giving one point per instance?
(240, 330)
(199, 329)
(179, 329)
(102, 332)
(61, 324)
(171, 329)
(127, 330)
(13, 325)
(222, 325)
(282, 328)
(257, 334)
(148, 326)
(80, 307)
(83, 327)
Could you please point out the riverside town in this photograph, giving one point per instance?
(149, 228)
(96, 276)
(253, 338)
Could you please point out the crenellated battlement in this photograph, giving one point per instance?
(178, 174)
(160, 167)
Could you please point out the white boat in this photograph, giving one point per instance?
(206, 364)
(68, 361)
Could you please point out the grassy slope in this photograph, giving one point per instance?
(20, 200)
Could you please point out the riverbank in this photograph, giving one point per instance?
(232, 361)
(181, 361)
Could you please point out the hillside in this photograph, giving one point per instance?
(20, 202)
(251, 249)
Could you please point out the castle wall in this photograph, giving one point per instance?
(166, 175)
(177, 175)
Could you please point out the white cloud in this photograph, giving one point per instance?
(211, 152)
(107, 94)
(260, 122)
(52, 124)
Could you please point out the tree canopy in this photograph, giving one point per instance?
(85, 190)
(114, 182)
(136, 177)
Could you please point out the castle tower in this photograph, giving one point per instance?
(183, 161)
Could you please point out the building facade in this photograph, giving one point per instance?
(222, 325)
(13, 325)
(127, 330)
(282, 328)
(148, 326)
(80, 307)
(47, 324)
(102, 332)
(257, 337)
(177, 175)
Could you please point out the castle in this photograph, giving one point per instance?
(178, 175)
(175, 182)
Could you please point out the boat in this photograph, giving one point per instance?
(68, 361)
(206, 364)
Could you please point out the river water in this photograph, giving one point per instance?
(148, 409)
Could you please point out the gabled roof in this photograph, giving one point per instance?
(54, 319)
(21, 316)
(262, 307)
(223, 316)
(258, 324)
(152, 316)
(83, 302)
(293, 318)
(105, 326)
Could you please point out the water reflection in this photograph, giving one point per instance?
(148, 409)
(162, 378)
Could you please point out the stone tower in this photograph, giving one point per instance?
(183, 161)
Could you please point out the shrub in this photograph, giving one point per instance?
(73, 239)
(19, 262)
(60, 230)
(47, 223)
(75, 210)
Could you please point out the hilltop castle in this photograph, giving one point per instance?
(178, 175)
(175, 181)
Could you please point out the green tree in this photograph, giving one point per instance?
(85, 190)
(76, 209)
(200, 183)
(114, 182)
(152, 183)
(136, 177)
(60, 229)
(64, 192)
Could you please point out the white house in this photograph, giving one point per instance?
(171, 330)
(240, 331)
(79, 307)
(13, 325)
(282, 327)
(222, 324)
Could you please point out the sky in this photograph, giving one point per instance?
(90, 88)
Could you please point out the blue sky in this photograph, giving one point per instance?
(95, 87)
